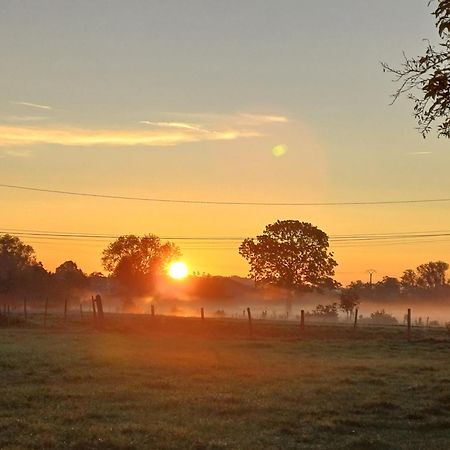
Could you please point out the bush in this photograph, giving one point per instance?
(328, 312)
(383, 318)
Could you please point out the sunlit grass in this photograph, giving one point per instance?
(79, 388)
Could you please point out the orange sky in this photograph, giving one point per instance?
(166, 100)
(53, 212)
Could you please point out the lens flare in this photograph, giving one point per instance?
(279, 150)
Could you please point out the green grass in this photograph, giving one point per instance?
(180, 384)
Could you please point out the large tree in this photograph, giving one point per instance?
(425, 280)
(432, 275)
(16, 261)
(136, 261)
(409, 279)
(70, 279)
(426, 79)
(388, 288)
(291, 254)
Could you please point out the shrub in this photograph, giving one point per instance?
(383, 318)
(328, 312)
(447, 327)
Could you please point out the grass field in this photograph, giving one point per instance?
(180, 384)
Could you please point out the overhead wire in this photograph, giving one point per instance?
(231, 243)
(223, 202)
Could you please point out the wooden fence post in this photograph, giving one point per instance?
(25, 312)
(302, 320)
(250, 326)
(202, 314)
(8, 314)
(65, 309)
(94, 312)
(152, 310)
(45, 312)
(98, 302)
(355, 323)
(81, 310)
(408, 333)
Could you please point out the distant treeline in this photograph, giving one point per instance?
(22, 275)
(427, 281)
(136, 269)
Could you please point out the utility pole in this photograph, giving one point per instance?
(371, 272)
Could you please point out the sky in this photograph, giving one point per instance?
(279, 101)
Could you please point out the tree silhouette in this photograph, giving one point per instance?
(409, 279)
(426, 79)
(349, 300)
(136, 261)
(388, 288)
(16, 261)
(70, 279)
(290, 254)
(432, 274)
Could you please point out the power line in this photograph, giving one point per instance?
(234, 248)
(409, 235)
(224, 203)
(231, 243)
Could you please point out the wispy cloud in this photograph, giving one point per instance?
(169, 132)
(216, 118)
(263, 118)
(25, 118)
(15, 153)
(31, 105)
(181, 125)
(29, 136)
(419, 153)
(210, 122)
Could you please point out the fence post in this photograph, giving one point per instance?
(302, 320)
(25, 312)
(8, 315)
(45, 312)
(202, 314)
(250, 326)
(65, 309)
(152, 310)
(81, 310)
(98, 301)
(94, 312)
(408, 333)
(355, 323)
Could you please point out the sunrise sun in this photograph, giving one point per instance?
(178, 270)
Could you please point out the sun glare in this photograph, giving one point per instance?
(178, 270)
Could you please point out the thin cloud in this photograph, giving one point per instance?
(176, 131)
(238, 117)
(15, 153)
(29, 136)
(25, 118)
(262, 118)
(181, 125)
(31, 105)
(419, 153)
